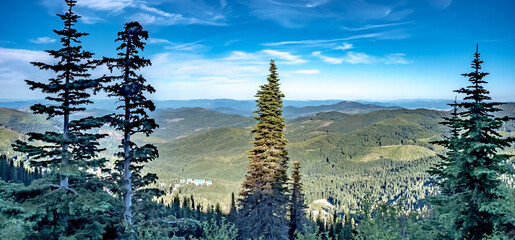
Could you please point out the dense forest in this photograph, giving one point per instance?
(370, 173)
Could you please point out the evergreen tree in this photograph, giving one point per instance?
(298, 218)
(69, 202)
(347, 228)
(232, 209)
(470, 173)
(130, 89)
(264, 192)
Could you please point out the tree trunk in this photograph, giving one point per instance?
(126, 150)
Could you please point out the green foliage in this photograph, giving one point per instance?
(297, 207)
(221, 230)
(475, 202)
(263, 200)
(69, 202)
(13, 228)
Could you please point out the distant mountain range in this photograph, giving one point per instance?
(246, 107)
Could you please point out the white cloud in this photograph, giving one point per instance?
(264, 56)
(290, 59)
(396, 58)
(344, 46)
(308, 71)
(90, 19)
(142, 11)
(158, 41)
(372, 26)
(328, 59)
(171, 19)
(240, 55)
(181, 76)
(177, 46)
(363, 58)
(185, 46)
(10, 55)
(309, 42)
(106, 5)
(16, 68)
(42, 40)
(355, 58)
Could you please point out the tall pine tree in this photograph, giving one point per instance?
(130, 89)
(264, 193)
(470, 173)
(70, 200)
(298, 220)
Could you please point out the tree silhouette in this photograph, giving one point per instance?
(70, 201)
(298, 220)
(130, 89)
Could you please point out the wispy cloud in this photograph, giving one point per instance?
(42, 40)
(158, 41)
(308, 71)
(373, 26)
(294, 14)
(149, 12)
(156, 16)
(90, 19)
(289, 58)
(327, 59)
(363, 58)
(264, 56)
(396, 58)
(320, 41)
(440, 4)
(241, 55)
(344, 46)
(351, 57)
(355, 58)
(177, 46)
(115, 6)
(16, 68)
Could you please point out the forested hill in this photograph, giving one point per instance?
(344, 156)
(349, 107)
(339, 152)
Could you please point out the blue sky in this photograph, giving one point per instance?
(324, 49)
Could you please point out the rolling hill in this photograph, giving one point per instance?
(348, 107)
(344, 156)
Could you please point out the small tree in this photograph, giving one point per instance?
(470, 173)
(298, 220)
(264, 192)
(130, 89)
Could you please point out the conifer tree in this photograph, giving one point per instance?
(70, 201)
(130, 89)
(232, 208)
(264, 194)
(298, 218)
(470, 173)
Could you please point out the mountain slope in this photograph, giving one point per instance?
(348, 107)
(177, 123)
(336, 162)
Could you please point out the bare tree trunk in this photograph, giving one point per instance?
(126, 149)
(126, 166)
